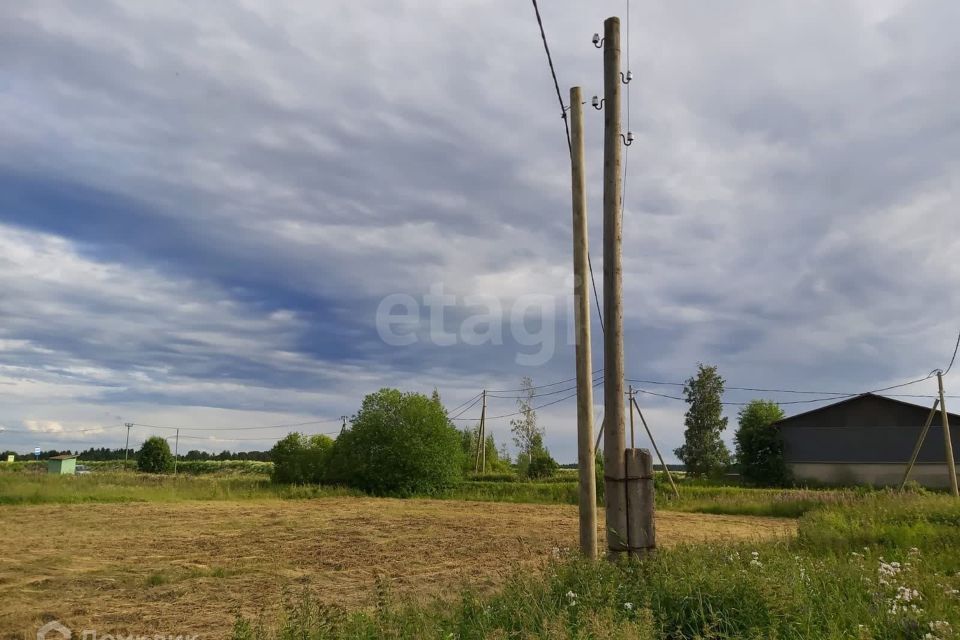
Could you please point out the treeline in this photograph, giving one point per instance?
(397, 444)
(103, 454)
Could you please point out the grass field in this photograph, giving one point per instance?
(231, 555)
(885, 568)
(194, 566)
(231, 484)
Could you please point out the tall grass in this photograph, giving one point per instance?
(813, 588)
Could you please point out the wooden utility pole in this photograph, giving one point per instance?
(586, 461)
(176, 452)
(481, 461)
(916, 448)
(945, 421)
(614, 445)
(633, 441)
(483, 434)
(126, 447)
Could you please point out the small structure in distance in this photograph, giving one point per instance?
(64, 465)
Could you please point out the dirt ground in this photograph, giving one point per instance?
(191, 567)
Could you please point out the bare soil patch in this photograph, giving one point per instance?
(191, 567)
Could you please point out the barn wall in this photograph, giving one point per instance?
(877, 474)
(864, 444)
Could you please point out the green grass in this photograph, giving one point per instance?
(239, 480)
(18, 488)
(842, 578)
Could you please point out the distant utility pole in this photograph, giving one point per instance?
(951, 464)
(586, 457)
(126, 447)
(480, 465)
(176, 452)
(631, 394)
(614, 441)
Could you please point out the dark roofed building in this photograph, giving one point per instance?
(867, 439)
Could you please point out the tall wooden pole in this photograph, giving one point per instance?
(481, 460)
(176, 452)
(614, 445)
(126, 447)
(483, 434)
(633, 440)
(586, 461)
(951, 464)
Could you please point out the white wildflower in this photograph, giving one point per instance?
(628, 606)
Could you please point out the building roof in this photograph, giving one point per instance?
(954, 418)
(65, 456)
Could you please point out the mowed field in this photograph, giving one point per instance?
(192, 567)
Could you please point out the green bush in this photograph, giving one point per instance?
(300, 459)
(155, 456)
(760, 445)
(541, 465)
(399, 444)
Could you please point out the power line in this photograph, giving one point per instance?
(267, 438)
(468, 401)
(954, 356)
(269, 426)
(546, 404)
(477, 399)
(539, 386)
(794, 391)
(538, 395)
(553, 73)
(566, 126)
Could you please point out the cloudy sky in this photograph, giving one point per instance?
(203, 206)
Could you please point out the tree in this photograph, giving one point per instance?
(759, 444)
(399, 444)
(154, 456)
(526, 434)
(300, 459)
(541, 465)
(468, 442)
(703, 452)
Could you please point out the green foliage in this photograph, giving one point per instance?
(399, 444)
(468, 441)
(888, 519)
(542, 465)
(759, 444)
(703, 452)
(300, 459)
(154, 456)
(527, 435)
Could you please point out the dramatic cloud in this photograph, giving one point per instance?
(203, 206)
